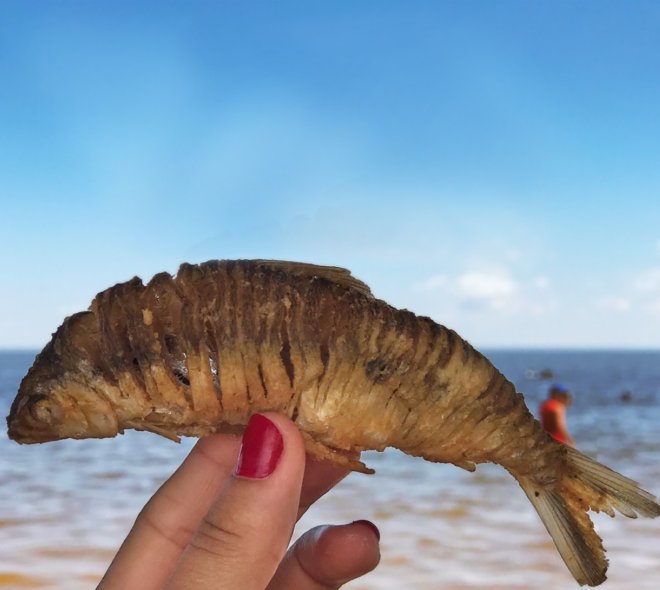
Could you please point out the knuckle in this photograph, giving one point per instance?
(218, 538)
(167, 529)
(232, 540)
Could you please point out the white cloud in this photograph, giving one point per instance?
(495, 290)
(616, 304)
(492, 287)
(641, 294)
(648, 281)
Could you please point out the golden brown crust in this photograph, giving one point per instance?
(224, 339)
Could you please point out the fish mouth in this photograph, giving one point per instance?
(33, 419)
(22, 436)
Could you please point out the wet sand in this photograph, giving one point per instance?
(441, 528)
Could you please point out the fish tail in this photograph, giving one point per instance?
(573, 533)
(609, 490)
(563, 508)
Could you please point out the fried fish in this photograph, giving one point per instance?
(200, 352)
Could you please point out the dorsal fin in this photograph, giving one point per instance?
(336, 274)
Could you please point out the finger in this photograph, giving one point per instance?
(244, 536)
(326, 557)
(320, 477)
(166, 524)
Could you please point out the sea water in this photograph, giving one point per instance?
(65, 507)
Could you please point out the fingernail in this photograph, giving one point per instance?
(371, 525)
(261, 449)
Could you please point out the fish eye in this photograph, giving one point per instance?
(39, 408)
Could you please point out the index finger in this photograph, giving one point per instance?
(166, 524)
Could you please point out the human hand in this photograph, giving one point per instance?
(225, 524)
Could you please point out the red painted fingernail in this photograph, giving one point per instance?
(260, 450)
(371, 525)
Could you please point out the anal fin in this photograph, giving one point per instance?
(467, 465)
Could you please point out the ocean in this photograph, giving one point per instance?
(65, 507)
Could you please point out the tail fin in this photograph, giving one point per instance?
(586, 485)
(606, 490)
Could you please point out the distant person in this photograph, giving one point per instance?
(546, 374)
(626, 396)
(553, 414)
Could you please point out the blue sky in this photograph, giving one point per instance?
(495, 165)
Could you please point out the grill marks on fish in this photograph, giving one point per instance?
(156, 309)
(119, 344)
(210, 299)
(254, 354)
(230, 361)
(273, 340)
(392, 341)
(214, 366)
(325, 331)
(245, 332)
(285, 352)
(324, 354)
(164, 342)
(394, 370)
(439, 404)
(348, 373)
(300, 369)
(353, 378)
(424, 361)
(239, 352)
(261, 378)
(485, 424)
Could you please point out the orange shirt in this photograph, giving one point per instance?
(551, 413)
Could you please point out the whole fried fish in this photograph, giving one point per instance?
(200, 352)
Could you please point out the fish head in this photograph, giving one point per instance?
(36, 417)
(55, 400)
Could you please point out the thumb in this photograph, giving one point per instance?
(244, 536)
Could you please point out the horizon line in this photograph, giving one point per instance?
(489, 347)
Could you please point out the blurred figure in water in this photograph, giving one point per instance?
(553, 414)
